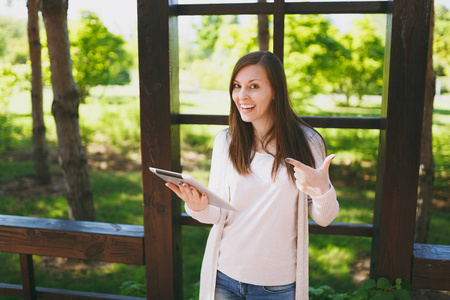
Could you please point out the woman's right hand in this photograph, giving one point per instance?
(190, 195)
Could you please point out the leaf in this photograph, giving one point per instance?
(369, 284)
(398, 284)
(383, 283)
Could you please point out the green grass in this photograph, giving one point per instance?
(118, 194)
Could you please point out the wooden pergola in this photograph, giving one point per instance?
(157, 244)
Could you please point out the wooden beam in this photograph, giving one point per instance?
(320, 122)
(399, 172)
(158, 76)
(344, 7)
(72, 239)
(431, 267)
(350, 229)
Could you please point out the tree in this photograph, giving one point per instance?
(426, 172)
(72, 157)
(231, 41)
(13, 36)
(207, 34)
(361, 72)
(99, 56)
(312, 55)
(40, 152)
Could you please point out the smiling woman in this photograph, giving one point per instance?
(264, 243)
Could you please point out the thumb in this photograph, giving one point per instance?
(327, 162)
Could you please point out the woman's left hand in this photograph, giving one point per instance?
(314, 182)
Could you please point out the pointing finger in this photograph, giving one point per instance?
(295, 163)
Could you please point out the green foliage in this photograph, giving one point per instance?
(441, 42)
(382, 289)
(218, 48)
(324, 293)
(8, 79)
(120, 127)
(369, 290)
(99, 56)
(132, 288)
(361, 71)
(13, 40)
(207, 34)
(318, 58)
(312, 52)
(441, 46)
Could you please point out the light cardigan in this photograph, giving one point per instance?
(323, 209)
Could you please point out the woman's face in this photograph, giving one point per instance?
(253, 95)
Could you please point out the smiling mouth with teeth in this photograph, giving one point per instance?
(247, 106)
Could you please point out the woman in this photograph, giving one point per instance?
(260, 251)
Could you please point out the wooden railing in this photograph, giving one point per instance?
(121, 243)
(94, 241)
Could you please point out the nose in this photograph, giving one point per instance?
(243, 93)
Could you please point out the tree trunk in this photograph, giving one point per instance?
(40, 151)
(72, 157)
(426, 173)
(263, 30)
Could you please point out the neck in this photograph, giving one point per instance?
(260, 142)
(260, 130)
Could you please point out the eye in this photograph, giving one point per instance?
(236, 86)
(254, 86)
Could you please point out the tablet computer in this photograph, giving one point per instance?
(175, 178)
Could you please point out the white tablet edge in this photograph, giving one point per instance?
(174, 177)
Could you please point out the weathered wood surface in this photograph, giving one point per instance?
(72, 239)
(158, 77)
(431, 267)
(399, 151)
(315, 121)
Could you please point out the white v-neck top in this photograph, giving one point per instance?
(259, 239)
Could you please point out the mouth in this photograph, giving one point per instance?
(247, 107)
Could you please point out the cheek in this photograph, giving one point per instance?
(234, 97)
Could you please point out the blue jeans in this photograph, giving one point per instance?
(230, 289)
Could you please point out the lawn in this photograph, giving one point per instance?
(113, 150)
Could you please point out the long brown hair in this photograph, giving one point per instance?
(287, 128)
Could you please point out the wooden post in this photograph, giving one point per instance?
(27, 270)
(398, 169)
(278, 29)
(160, 146)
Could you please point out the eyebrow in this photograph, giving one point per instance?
(256, 79)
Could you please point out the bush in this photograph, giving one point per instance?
(370, 290)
